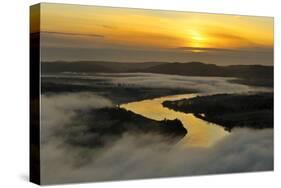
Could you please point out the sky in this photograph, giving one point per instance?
(75, 32)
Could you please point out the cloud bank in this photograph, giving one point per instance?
(135, 157)
(59, 110)
(152, 80)
(142, 156)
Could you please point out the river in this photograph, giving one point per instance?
(200, 133)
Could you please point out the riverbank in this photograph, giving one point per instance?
(106, 125)
(117, 93)
(229, 110)
(200, 133)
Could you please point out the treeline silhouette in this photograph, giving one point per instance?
(103, 126)
(247, 74)
(230, 110)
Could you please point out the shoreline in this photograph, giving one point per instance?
(229, 110)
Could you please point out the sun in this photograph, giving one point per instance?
(196, 39)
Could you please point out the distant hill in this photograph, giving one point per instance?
(202, 69)
(94, 66)
(230, 110)
(250, 71)
(56, 67)
(127, 67)
(190, 69)
(247, 74)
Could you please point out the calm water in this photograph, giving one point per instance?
(200, 133)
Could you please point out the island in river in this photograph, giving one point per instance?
(230, 110)
(103, 126)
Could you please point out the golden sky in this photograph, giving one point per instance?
(91, 27)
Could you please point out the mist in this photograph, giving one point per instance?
(137, 156)
(153, 80)
(59, 110)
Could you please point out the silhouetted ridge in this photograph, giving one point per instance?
(190, 69)
(56, 67)
(95, 66)
(248, 74)
(230, 110)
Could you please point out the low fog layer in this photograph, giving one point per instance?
(138, 156)
(135, 157)
(58, 110)
(152, 80)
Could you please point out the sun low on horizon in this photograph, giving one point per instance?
(180, 34)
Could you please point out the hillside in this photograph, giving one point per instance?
(94, 66)
(230, 110)
(57, 67)
(101, 126)
(257, 75)
(202, 69)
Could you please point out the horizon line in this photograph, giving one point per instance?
(139, 62)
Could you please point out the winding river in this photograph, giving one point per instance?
(200, 133)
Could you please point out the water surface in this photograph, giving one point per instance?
(200, 133)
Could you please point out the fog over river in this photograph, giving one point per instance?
(206, 149)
